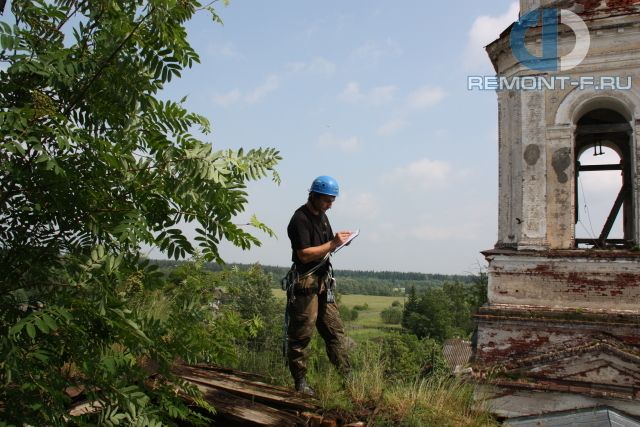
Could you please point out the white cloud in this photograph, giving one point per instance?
(597, 192)
(376, 96)
(314, 28)
(375, 51)
(235, 96)
(270, 84)
(317, 65)
(431, 232)
(351, 93)
(392, 126)
(423, 174)
(347, 145)
(604, 184)
(419, 99)
(441, 133)
(228, 99)
(362, 206)
(484, 30)
(225, 49)
(381, 94)
(425, 97)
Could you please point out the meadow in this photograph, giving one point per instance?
(385, 376)
(369, 324)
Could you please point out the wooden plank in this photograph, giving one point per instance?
(256, 391)
(245, 412)
(597, 242)
(255, 395)
(606, 229)
(592, 168)
(249, 380)
(602, 128)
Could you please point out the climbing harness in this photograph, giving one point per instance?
(288, 284)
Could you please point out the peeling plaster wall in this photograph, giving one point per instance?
(572, 316)
(510, 402)
(560, 187)
(534, 176)
(510, 169)
(536, 150)
(527, 5)
(580, 6)
(565, 282)
(502, 341)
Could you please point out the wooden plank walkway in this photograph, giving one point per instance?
(241, 399)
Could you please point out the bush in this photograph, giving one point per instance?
(408, 357)
(95, 168)
(406, 379)
(391, 315)
(348, 314)
(248, 293)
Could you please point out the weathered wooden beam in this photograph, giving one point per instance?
(593, 168)
(615, 209)
(273, 396)
(244, 412)
(603, 128)
(597, 242)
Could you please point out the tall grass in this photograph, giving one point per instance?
(388, 385)
(375, 388)
(434, 401)
(269, 364)
(366, 383)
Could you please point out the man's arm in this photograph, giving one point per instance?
(316, 253)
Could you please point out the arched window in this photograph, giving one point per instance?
(603, 190)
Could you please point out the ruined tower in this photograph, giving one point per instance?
(561, 329)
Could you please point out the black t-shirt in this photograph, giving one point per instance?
(306, 230)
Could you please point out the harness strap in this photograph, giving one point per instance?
(314, 269)
(305, 291)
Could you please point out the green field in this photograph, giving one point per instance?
(368, 324)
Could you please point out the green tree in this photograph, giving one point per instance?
(432, 317)
(459, 299)
(94, 165)
(408, 357)
(249, 293)
(391, 315)
(479, 289)
(410, 307)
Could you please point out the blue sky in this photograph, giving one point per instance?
(375, 95)
(369, 92)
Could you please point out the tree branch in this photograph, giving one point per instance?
(104, 65)
(66, 19)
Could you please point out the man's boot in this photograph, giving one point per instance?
(303, 387)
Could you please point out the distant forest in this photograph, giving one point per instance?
(387, 283)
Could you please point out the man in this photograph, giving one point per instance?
(310, 302)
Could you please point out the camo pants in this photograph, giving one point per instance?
(310, 310)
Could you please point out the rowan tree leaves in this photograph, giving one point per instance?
(93, 167)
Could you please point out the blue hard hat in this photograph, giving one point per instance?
(325, 185)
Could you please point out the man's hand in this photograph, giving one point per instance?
(316, 253)
(340, 238)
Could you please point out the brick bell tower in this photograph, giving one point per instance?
(561, 330)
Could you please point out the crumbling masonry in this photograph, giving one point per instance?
(561, 330)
